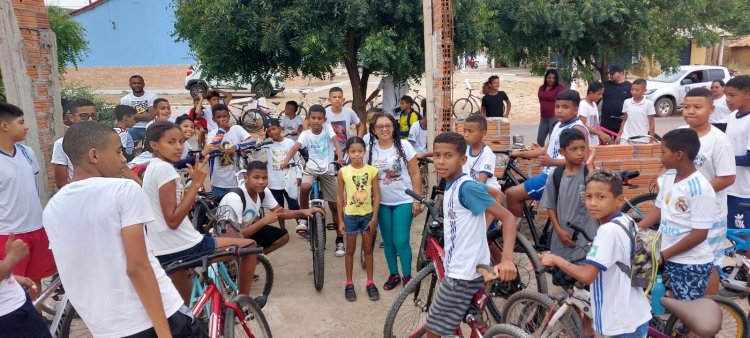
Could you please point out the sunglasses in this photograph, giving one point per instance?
(87, 116)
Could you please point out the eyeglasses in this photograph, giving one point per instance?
(384, 127)
(87, 116)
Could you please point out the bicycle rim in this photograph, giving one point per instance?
(639, 206)
(319, 252)
(255, 324)
(529, 310)
(408, 314)
(73, 326)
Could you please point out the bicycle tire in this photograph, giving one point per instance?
(536, 324)
(637, 214)
(72, 325)
(427, 277)
(460, 110)
(253, 120)
(302, 111)
(318, 251)
(729, 309)
(257, 323)
(347, 103)
(505, 331)
(267, 276)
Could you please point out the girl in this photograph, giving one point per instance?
(547, 95)
(721, 111)
(495, 100)
(171, 236)
(359, 193)
(397, 167)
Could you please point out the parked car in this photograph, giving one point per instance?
(265, 86)
(668, 90)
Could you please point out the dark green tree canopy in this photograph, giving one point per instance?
(72, 47)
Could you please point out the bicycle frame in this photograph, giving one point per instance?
(215, 319)
(510, 180)
(740, 239)
(575, 298)
(58, 310)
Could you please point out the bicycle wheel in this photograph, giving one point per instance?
(252, 120)
(505, 331)
(348, 103)
(252, 316)
(734, 322)
(302, 111)
(318, 251)
(529, 310)
(72, 325)
(412, 305)
(639, 206)
(423, 172)
(530, 276)
(462, 108)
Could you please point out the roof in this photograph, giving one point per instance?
(87, 7)
(743, 41)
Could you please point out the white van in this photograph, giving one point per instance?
(265, 86)
(668, 90)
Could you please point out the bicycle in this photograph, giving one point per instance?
(734, 277)
(254, 119)
(305, 104)
(417, 105)
(423, 164)
(64, 318)
(464, 107)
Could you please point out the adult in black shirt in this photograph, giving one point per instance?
(616, 91)
(494, 99)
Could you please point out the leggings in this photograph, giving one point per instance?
(546, 124)
(395, 223)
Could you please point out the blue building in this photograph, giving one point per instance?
(131, 33)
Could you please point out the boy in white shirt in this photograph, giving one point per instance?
(480, 163)
(142, 101)
(686, 207)
(340, 117)
(105, 252)
(589, 114)
(214, 97)
(418, 134)
(276, 153)
(638, 118)
(292, 123)
(124, 115)
(738, 131)
(80, 110)
(224, 174)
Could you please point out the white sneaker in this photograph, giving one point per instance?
(302, 226)
(340, 249)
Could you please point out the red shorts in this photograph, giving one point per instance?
(39, 263)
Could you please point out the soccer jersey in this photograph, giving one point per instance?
(637, 122)
(20, 207)
(738, 131)
(481, 163)
(418, 137)
(553, 149)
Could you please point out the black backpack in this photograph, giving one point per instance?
(557, 176)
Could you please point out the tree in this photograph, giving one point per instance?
(72, 47)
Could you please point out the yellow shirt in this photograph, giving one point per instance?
(405, 120)
(358, 189)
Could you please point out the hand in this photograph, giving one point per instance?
(341, 226)
(547, 259)
(505, 271)
(592, 156)
(15, 249)
(516, 154)
(29, 285)
(198, 171)
(605, 138)
(565, 237)
(372, 226)
(269, 218)
(299, 182)
(310, 212)
(285, 165)
(341, 161)
(543, 160)
(416, 208)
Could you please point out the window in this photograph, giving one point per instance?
(715, 74)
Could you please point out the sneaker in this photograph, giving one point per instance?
(372, 292)
(392, 281)
(261, 301)
(340, 249)
(406, 280)
(302, 227)
(349, 293)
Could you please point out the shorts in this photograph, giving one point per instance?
(267, 235)
(688, 281)
(639, 332)
(354, 224)
(735, 216)
(25, 322)
(451, 304)
(534, 186)
(206, 246)
(717, 235)
(328, 185)
(181, 324)
(281, 195)
(39, 263)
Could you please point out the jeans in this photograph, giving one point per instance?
(354, 224)
(640, 332)
(219, 193)
(395, 222)
(546, 124)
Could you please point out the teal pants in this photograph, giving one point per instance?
(395, 223)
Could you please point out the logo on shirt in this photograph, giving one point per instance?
(360, 197)
(391, 174)
(487, 167)
(739, 221)
(681, 205)
(699, 160)
(339, 127)
(582, 193)
(592, 252)
(277, 156)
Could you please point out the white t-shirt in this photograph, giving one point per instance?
(340, 123)
(484, 162)
(276, 153)
(142, 158)
(320, 147)
(20, 207)
(721, 111)
(126, 139)
(466, 247)
(637, 123)
(291, 125)
(418, 138)
(618, 308)
(591, 113)
(391, 93)
(393, 173)
(686, 205)
(553, 149)
(208, 114)
(164, 240)
(84, 221)
(12, 296)
(252, 207)
(738, 131)
(223, 176)
(59, 157)
(140, 103)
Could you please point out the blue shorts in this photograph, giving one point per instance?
(206, 246)
(736, 217)
(355, 224)
(639, 332)
(25, 321)
(534, 186)
(688, 281)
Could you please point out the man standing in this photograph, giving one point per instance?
(616, 91)
(392, 93)
(142, 101)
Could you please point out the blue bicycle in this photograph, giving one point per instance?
(734, 277)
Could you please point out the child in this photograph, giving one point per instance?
(721, 111)
(494, 102)
(162, 111)
(17, 314)
(618, 308)
(196, 112)
(276, 153)
(738, 131)
(291, 123)
(370, 116)
(214, 97)
(80, 110)
(125, 119)
(142, 101)
(465, 205)
(358, 192)
(480, 163)
(407, 117)
(589, 114)
(686, 207)
(321, 142)
(638, 114)
(340, 117)
(418, 134)
(187, 127)
(224, 173)
(21, 209)
(715, 161)
(566, 113)
(105, 253)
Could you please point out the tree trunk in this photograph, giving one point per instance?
(357, 81)
(604, 68)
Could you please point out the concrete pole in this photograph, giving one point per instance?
(429, 69)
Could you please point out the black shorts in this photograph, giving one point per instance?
(267, 235)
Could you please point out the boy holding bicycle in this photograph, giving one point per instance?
(224, 174)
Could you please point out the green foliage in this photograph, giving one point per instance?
(71, 44)
(73, 91)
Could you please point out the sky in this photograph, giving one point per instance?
(74, 4)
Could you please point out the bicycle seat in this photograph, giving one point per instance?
(701, 316)
(276, 103)
(629, 174)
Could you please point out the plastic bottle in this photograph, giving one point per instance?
(657, 292)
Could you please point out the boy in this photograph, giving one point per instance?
(223, 176)
(276, 153)
(566, 113)
(321, 142)
(480, 163)
(142, 101)
(162, 111)
(291, 123)
(406, 116)
(618, 308)
(80, 110)
(21, 209)
(738, 132)
(196, 113)
(638, 114)
(340, 117)
(589, 114)
(17, 313)
(370, 117)
(214, 97)
(685, 205)
(418, 135)
(125, 119)
(716, 162)
(465, 205)
(114, 259)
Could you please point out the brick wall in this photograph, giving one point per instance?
(161, 77)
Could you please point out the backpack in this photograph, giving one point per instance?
(241, 194)
(557, 176)
(644, 255)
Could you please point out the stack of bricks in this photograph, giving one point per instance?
(498, 133)
(442, 26)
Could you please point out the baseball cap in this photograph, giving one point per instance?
(272, 122)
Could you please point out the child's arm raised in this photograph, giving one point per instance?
(290, 154)
(173, 213)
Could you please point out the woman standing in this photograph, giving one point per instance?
(547, 95)
(721, 111)
(494, 101)
(397, 167)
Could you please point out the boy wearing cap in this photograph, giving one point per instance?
(616, 91)
(276, 153)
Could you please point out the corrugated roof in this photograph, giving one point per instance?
(741, 42)
(87, 7)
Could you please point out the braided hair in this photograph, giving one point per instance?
(395, 134)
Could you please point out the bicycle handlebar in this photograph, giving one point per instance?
(203, 261)
(424, 160)
(430, 204)
(578, 230)
(503, 151)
